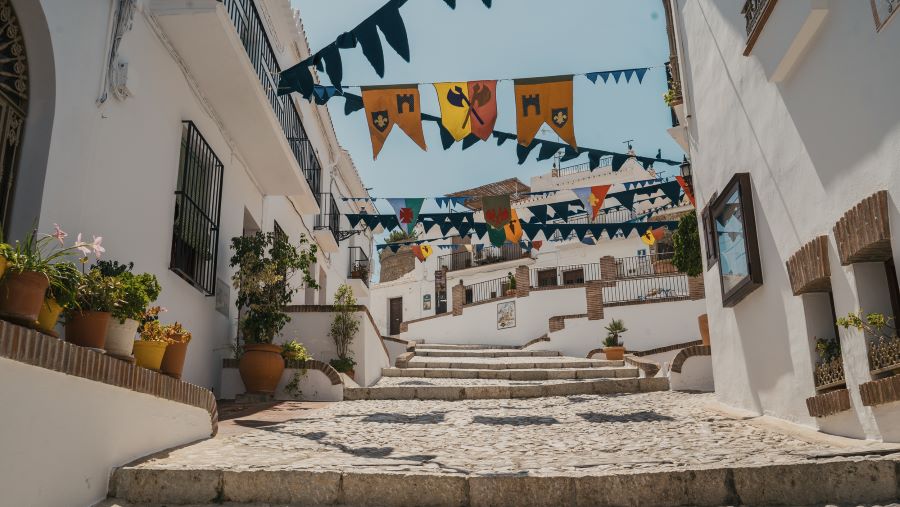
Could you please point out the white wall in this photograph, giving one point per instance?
(649, 326)
(696, 375)
(314, 386)
(815, 144)
(62, 435)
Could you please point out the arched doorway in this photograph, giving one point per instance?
(13, 104)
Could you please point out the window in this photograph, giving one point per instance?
(756, 13)
(198, 201)
(709, 234)
(732, 215)
(884, 12)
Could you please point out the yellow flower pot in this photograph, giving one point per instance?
(49, 315)
(3, 264)
(149, 354)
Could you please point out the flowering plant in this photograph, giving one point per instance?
(37, 253)
(152, 330)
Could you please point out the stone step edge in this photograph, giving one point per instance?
(523, 374)
(486, 353)
(463, 346)
(498, 392)
(509, 366)
(809, 483)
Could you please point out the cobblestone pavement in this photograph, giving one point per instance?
(542, 436)
(434, 381)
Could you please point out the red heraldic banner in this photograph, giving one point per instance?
(546, 99)
(483, 96)
(394, 104)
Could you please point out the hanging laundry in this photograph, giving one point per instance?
(541, 100)
(592, 198)
(388, 105)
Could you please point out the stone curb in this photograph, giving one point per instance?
(485, 353)
(844, 481)
(525, 375)
(455, 393)
(594, 363)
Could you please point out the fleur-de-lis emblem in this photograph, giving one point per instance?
(381, 120)
(560, 116)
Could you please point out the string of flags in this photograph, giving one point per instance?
(386, 19)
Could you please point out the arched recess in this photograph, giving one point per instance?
(33, 148)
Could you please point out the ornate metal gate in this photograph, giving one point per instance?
(13, 102)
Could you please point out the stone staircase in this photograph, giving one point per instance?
(460, 372)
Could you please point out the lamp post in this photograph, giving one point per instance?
(687, 173)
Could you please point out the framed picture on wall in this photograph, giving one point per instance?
(884, 11)
(734, 222)
(426, 302)
(506, 315)
(709, 233)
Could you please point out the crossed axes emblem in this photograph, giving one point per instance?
(481, 95)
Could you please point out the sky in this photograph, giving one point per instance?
(512, 39)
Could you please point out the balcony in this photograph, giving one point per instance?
(584, 167)
(328, 223)
(224, 45)
(487, 255)
(359, 265)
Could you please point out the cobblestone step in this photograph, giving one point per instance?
(509, 363)
(468, 389)
(429, 352)
(521, 374)
(453, 346)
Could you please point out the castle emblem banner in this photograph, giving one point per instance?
(544, 100)
(386, 106)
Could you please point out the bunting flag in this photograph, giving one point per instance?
(541, 100)
(653, 235)
(497, 236)
(422, 252)
(483, 95)
(616, 74)
(468, 108)
(592, 198)
(407, 211)
(396, 104)
(497, 211)
(537, 244)
(513, 229)
(687, 190)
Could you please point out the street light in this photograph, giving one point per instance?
(687, 173)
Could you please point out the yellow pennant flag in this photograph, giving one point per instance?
(648, 238)
(426, 251)
(453, 98)
(513, 228)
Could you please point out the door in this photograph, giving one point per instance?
(395, 315)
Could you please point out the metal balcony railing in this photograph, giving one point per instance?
(648, 289)
(251, 30)
(487, 255)
(359, 265)
(645, 265)
(584, 167)
(487, 290)
(329, 216)
(575, 274)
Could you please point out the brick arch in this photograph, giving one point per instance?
(694, 350)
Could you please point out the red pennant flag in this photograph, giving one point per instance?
(483, 108)
(537, 244)
(687, 190)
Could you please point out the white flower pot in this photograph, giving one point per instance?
(120, 337)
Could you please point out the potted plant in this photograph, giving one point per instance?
(151, 347)
(510, 284)
(177, 338)
(138, 291)
(265, 264)
(613, 345)
(97, 297)
(29, 267)
(62, 294)
(344, 326)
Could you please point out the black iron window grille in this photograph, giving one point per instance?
(198, 203)
(329, 216)
(359, 264)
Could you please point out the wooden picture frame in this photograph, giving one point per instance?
(732, 216)
(884, 11)
(709, 235)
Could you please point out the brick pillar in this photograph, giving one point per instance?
(695, 287)
(594, 294)
(523, 281)
(459, 298)
(608, 269)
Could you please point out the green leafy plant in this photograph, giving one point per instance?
(828, 349)
(343, 364)
(39, 252)
(400, 235)
(65, 279)
(294, 351)
(98, 293)
(138, 291)
(266, 263)
(686, 239)
(669, 97)
(345, 324)
(614, 331)
(875, 324)
(511, 280)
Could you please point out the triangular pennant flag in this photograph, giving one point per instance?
(441, 201)
(648, 237)
(640, 74)
(463, 229)
(371, 221)
(561, 209)
(469, 140)
(446, 227)
(331, 55)
(389, 222)
(539, 213)
(502, 137)
(352, 103)
(426, 251)
(596, 230)
(523, 151)
(446, 137)
(687, 190)
(531, 231)
(568, 154)
(483, 107)
(497, 211)
(618, 160)
(592, 198)
(459, 200)
(367, 35)
(594, 159)
(605, 76)
(345, 40)
(417, 251)
(628, 73)
(514, 228)
(297, 79)
(592, 76)
(548, 149)
(543, 100)
(616, 74)
(354, 219)
(497, 236)
(391, 25)
(454, 104)
(581, 231)
(395, 104)
(626, 198)
(672, 190)
(407, 211)
(451, 3)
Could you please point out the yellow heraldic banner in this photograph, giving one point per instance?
(455, 108)
(546, 99)
(385, 106)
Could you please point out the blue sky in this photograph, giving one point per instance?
(515, 38)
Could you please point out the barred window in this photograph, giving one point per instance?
(198, 202)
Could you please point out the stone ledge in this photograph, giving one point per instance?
(863, 234)
(830, 403)
(650, 368)
(808, 268)
(31, 347)
(681, 357)
(667, 348)
(879, 392)
(312, 364)
(558, 322)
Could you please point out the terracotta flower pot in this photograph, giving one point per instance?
(261, 366)
(614, 353)
(49, 316)
(120, 336)
(173, 360)
(703, 323)
(149, 354)
(87, 329)
(22, 295)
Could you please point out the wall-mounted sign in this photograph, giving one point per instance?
(506, 315)
(426, 302)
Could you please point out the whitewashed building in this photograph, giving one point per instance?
(792, 123)
(155, 124)
(469, 273)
